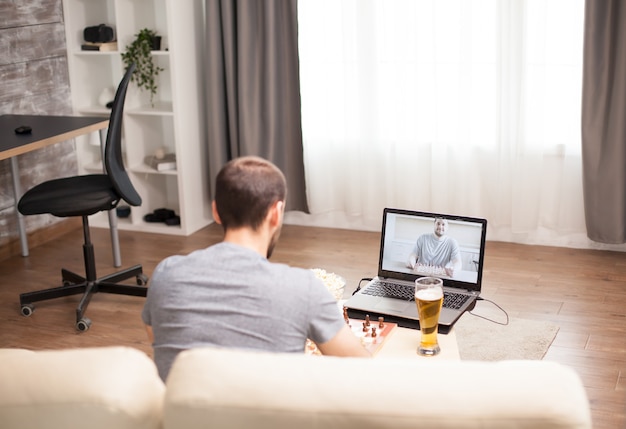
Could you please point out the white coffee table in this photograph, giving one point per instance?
(403, 342)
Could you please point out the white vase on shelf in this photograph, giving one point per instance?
(106, 96)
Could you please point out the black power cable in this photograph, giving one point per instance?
(358, 288)
(491, 320)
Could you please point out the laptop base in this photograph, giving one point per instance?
(400, 321)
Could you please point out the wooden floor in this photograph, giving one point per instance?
(582, 291)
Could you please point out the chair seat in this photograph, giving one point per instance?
(70, 196)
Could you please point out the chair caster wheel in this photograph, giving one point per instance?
(27, 310)
(83, 324)
(142, 280)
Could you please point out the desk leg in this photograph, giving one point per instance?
(115, 241)
(17, 194)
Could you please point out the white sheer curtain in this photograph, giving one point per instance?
(455, 106)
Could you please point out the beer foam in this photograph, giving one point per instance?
(429, 294)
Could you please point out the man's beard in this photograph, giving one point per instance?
(273, 241)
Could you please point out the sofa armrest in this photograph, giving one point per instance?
(98, 388)
(212, 387)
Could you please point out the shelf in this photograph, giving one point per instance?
(173, 121)
(160, 108)
(81, 53)
(145, 169)
(95, 111)
(126, 224)
(94, 167)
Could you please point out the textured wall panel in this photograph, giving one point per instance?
(22, 13)
(33, 80)
(23, 44)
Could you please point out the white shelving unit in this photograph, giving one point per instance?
(175, 119)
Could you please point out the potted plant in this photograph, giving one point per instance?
(139, 52)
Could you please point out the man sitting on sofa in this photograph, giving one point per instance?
(230, 295)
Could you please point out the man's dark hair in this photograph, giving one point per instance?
(245, 190)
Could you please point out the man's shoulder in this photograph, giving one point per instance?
(451, 240)
(182, 262)
(294, 278)
(221, 250)
(290, 271)
(425, 236)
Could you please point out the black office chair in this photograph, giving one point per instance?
(84, 196)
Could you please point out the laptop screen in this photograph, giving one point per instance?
(418, 244)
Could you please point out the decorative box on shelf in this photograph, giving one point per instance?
(99, 46)
(167, 162)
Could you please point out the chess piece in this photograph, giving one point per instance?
(374, 331)
(345, 315)
(381, 322)
(367, 319)
(365, 329)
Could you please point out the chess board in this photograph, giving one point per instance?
(431, 270)
(371, 334)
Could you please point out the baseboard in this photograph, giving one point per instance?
(13, 247)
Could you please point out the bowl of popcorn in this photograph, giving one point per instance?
(335, 284)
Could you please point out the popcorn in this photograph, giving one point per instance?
(332, 281)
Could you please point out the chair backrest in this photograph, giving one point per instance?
(113, 160)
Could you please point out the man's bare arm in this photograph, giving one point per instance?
(150, 334)
(344, 344)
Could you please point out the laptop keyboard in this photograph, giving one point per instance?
(405, 292)
(454, 300)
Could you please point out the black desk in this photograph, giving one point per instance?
(48, 130)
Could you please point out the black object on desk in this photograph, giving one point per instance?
(23, 129)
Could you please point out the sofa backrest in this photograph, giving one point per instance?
(220, 388)
(119, 387)
(95, 388)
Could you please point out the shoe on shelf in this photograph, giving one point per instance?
(160, 215)
(173, 221)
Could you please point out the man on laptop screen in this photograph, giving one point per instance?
(436, 251)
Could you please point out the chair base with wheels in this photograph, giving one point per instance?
(74, 284)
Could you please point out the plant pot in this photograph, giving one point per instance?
(156, 43)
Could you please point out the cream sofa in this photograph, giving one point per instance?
(118, 387)
(95, 388)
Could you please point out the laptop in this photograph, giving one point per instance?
(391, 293)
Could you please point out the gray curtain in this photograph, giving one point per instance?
(253, 88)
(604, 120)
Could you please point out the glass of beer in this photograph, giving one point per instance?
(429, 299)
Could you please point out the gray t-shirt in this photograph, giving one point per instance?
(433, 251)
(230, 296)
